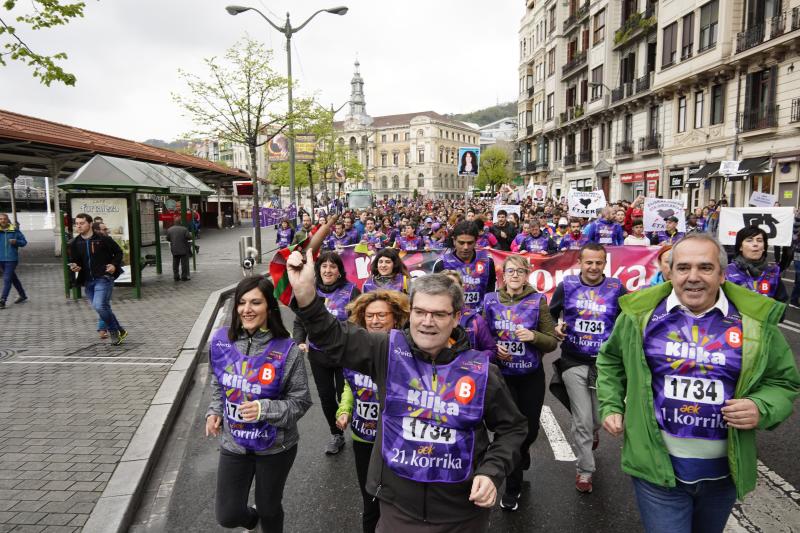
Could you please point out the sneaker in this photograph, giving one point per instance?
(335, 445)
(583, 482)
(2, 304)
(510, 502)
(118, 336)
(103, 334)
(21, 299)
(596, 440)
(255, 526)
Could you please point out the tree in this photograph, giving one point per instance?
(45, 14)
(494, 169)
(241, 99)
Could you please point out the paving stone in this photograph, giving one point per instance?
(57, 519)
(28, 505)
(26, 517)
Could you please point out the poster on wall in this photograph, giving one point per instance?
(468, 160)
(657, 210)
(114, 212)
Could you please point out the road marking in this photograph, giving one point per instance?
(795, 324)
(790, 328)
(99, 357)
(773, 506)
(81, 363)
(561, 448)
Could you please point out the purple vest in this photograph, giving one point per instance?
(285, 237)
(434, 245)
(248, 378)
(503, 320)
(409, 245)
(398, 283)
(431, 412)
(521, 240)
(483, 241)
(332, 241)
(374, 240)
(568, 242)
(695, 364)
(365, 404)
(589, 313)
(353, 235)
(537, 244)
(467, 321)
(665, 238)
(766, 284)
(336, 301)
(474, 275)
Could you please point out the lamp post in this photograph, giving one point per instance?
(288, 31)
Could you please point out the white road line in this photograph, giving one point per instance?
(80, 363)
(561, 448)
(790, 328)
(795, 324)
(773, 506)
(98, 357)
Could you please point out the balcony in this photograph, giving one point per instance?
(569, 160)
(577, 61)
(650, 143)
(638, 23)
(617, 94)
(577, 16)
(585, 156)
(529, 130)
(530, 92)
(795, 116)
(769, 29)
(796, 18)
(759, 119)
(530, 166)
(571, 113)
(643, 83)
(541, 165)
(624, 148)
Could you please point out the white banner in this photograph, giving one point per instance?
(775, 221)
(585, 204)
(657, 210)
(510, 208)
(762, 199)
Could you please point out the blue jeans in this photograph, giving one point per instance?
(688, 507)
(10, 278)
(796, 291)
(98, 292)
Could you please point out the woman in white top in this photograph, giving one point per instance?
(637, 238)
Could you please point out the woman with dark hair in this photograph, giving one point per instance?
(469, 163)
(377, 311)
(284, 235)
(259, 392)
(333, 287)
(388, 272)
(750, 268)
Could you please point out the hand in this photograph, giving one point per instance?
(560, 331)
(502, 353)
(342, 421)
(12, 242)
(213, 425)
(524, 334)
(301, 276)
(614, 424)
(483, 493)
(303, 347)
(741, 414)
(110, 269)
(250, 411)
(74, 267)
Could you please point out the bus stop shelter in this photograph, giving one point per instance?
(121, 191)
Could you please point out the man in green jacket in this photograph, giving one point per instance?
(692, 368)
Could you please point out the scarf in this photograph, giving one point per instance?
(754, 268)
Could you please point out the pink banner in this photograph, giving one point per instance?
(633, 265)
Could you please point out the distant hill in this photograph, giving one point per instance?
(180, 144)
(489, 114)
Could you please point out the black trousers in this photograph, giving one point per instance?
(183, 261)
(234, 478)
(372, 511)
(527, 390)
(330, 384)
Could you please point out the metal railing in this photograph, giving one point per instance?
(569, 160)
(541, 165)
(571, 113)
(530, 91)
(577, 61)
(617, 94)
(585, 156)
(795, 116)
(624, 148)
(796, 18)
(759, 119)
(764, 31)
(530, 166)
(581, 12)
(529, 130)
(643, 83)
(651, 142)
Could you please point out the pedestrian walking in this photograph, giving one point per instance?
(97, 260)
(432, 467)
(693, 367)
(259, 392)
(11, 240)
(180, 245)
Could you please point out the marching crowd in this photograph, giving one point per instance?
(440, 378)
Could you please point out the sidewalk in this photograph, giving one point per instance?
(71, 403)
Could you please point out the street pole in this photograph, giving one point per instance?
(288, 32)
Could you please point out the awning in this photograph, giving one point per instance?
(752, 166)
(705, 171)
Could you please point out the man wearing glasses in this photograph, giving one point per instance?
(432, 463)
(476, 267)
(589, 305)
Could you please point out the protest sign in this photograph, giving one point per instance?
(271, 216)
(585, 204)
(775, 221)
(509, 208)
(539, 193)
(656, 210)
(468, 161)
(762, 199)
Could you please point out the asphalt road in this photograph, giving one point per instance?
(322, 492)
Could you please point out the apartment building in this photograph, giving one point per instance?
(644, 97)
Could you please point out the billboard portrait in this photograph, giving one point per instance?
(278, 149)
(468, 160)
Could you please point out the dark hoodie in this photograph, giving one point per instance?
(345, 344)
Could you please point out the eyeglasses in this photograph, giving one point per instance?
(380, 316)
(438, 316)
(517, 271)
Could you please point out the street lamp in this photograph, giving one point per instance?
(288, 31)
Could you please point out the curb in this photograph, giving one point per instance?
(116, 507)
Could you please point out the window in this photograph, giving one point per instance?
(420, 156)
(396, 159)
(709, 16)
(597, 83)
(551, 19)
(628, 132)
(653, 121)
(407, 158)
(717, 101)
(395, 182)
(698, 109)
(551, 62)
(670, 44)
(681, 114)
(383, 159)
(441, 155)
(383, 138)
(408, 136)
(395, 137)
(406, 181)
(599, 28)
(557, 149)
(420, 133)
(384, 183)
(421, 181)
(687, 36)
(551, 105)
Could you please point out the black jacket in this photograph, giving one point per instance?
(505, 235)
(93, 254)
(345, 344)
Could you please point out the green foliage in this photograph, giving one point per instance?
(494, 168)
(44, 14)
(489, 114)
(634, 23)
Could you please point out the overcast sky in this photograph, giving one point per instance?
(448, 56)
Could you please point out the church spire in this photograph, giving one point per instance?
(358, 105)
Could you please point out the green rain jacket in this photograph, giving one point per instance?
(769, 377)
